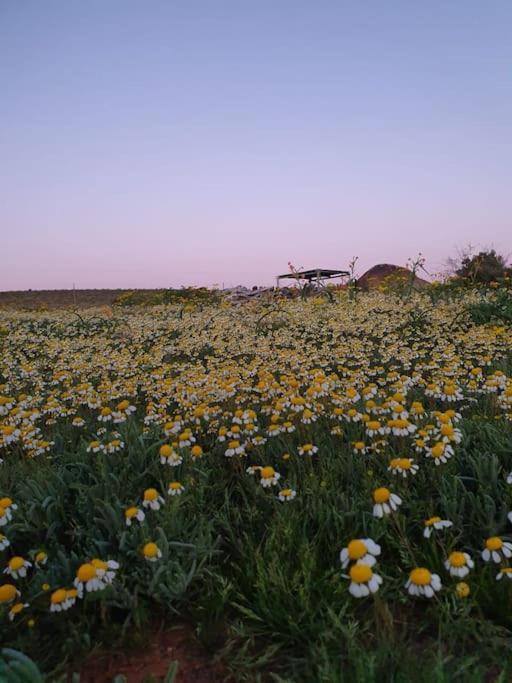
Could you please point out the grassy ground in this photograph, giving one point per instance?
(259, 579)
(77, 299)
(59, 298)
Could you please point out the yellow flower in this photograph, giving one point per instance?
(462, 589)
(151, 552)
(8, 592)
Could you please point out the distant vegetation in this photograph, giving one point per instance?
(85, 298)
(487, 268)
(482, 268)
(168, 296)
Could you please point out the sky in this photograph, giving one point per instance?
(174, 143)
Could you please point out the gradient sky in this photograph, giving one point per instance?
(151, 143)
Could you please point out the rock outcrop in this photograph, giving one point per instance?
(387, 274)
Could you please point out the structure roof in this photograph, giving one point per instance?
(312, 273)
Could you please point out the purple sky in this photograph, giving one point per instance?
(148, 144)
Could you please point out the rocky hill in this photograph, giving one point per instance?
(388, 274)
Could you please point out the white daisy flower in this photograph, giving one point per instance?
(363, 580)
(385, 502)
(363, 550)
(175, 488)
(269, 477)
(17, 567)
(286, 495)
(459, 564)
(152, 499)
(422, 582)
(496, 549)
(435, 523)
(134, 513)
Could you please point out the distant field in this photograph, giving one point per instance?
(62, 298)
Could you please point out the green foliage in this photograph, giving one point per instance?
(15, 667)
(185, 295)
(484, 267)
(495, 308)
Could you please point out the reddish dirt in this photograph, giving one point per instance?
(152, 663)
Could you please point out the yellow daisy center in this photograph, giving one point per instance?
(447, 430)
(432, 520)
(457, 559)
(357, 549)
(16, 563)
(361, 573)
(99, 564)
(7, 592)
(150, 494)
(150, 550)
(58, 596)
(420, 576)
(86, 572)
(381, 495)
(493, 543)
(438, 450)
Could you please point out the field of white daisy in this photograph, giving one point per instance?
(322, 488)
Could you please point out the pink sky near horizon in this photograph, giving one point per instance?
(191, 144)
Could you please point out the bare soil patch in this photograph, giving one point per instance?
(151, 663)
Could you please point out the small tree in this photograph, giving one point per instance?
(484, 267)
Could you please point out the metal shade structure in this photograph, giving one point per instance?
(317, 275)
